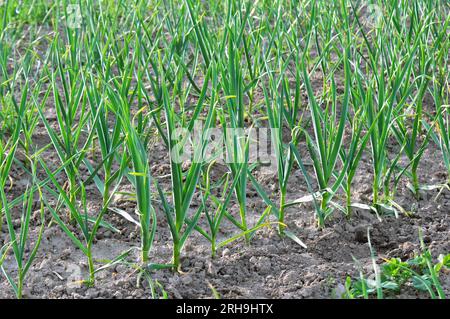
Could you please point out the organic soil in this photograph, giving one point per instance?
(270, 267)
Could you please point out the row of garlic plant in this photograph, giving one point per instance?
(124, 74)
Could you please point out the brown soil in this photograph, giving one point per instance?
(271, 267)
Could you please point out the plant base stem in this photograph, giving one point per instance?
(176, 257)
(91, 280)
(281, 226)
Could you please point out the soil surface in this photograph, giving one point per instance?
(270, 267)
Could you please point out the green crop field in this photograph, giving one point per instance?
(224, 149)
